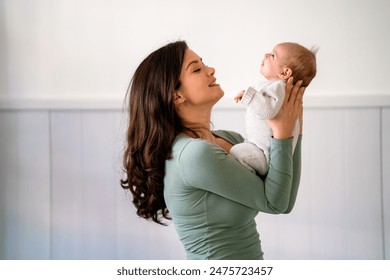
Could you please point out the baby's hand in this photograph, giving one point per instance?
(239, 96)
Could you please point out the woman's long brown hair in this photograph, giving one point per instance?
(153, 126)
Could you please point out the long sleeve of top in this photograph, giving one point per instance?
(213, 199)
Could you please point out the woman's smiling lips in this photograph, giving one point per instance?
(213, 83)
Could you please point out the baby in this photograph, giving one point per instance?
(264, 102)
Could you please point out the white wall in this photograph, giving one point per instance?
(89, 48)
(64, 69)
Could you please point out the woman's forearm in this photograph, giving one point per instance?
(296, 175)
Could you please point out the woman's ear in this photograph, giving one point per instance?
(285, 74)
(178, 97)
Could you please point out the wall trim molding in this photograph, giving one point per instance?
(117, 103)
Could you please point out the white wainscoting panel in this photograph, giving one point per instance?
(24, 185)
(60, 196)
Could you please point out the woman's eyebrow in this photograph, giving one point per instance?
(192, 62)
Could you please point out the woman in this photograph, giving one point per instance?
(178, 168)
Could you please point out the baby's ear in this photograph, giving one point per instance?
(285, 74)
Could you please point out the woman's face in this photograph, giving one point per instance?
(198, 84)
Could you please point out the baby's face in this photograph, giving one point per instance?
(274, 62)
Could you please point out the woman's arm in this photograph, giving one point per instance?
(297, 155)
(204, 165)
(296, 175)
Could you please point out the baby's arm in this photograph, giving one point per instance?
(238, 97)
(267, 101)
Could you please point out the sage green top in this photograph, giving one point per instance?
(213, 199)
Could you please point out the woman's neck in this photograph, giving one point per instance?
(199, 122)
(207, 134)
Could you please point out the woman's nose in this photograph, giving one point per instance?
(210, 71)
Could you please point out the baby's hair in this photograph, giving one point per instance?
(302, 62)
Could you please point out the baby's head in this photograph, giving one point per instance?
(289, 59)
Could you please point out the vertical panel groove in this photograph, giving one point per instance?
(384, 163)
(51, 185)
(381, 183)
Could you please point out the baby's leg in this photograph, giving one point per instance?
(251, 157)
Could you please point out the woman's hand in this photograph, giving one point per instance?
(300, 116)
(284, 122)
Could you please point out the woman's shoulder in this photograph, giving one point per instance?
(189, 146)
(193, 148)
(230, 136)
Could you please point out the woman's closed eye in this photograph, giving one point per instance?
(199, 68)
